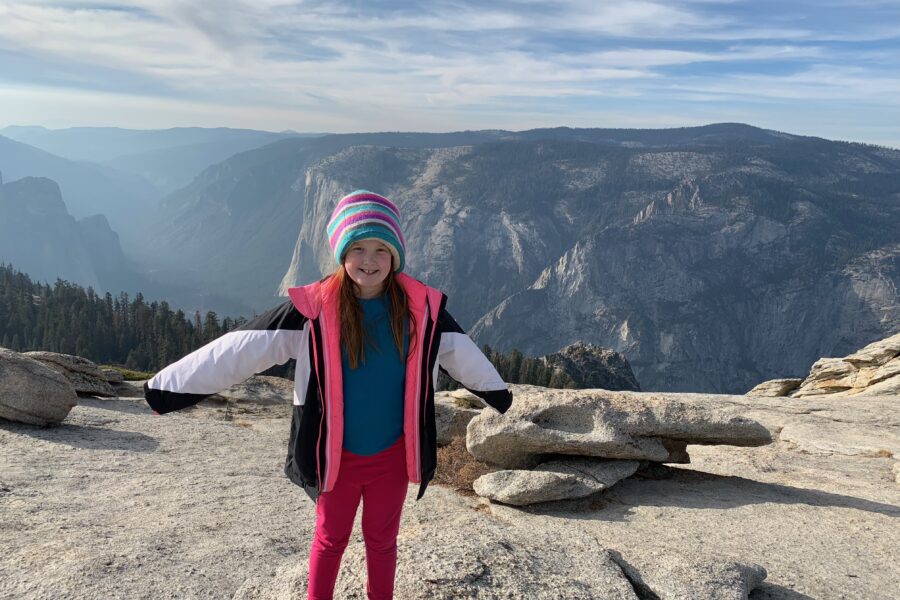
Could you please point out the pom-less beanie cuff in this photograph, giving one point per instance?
(364, 215)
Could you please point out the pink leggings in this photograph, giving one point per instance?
(381, 481)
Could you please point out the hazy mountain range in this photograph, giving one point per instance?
(167, 159)
(39, 237)
(123, 198)
(711, 257)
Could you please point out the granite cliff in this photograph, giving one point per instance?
(711, 258)
(40, 237)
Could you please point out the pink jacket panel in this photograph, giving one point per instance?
(320, 301)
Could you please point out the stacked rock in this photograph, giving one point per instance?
(40, 388)
(31, 392)
(563, 444)
(873, 370)
(85, 376)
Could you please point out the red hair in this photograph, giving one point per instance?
(353, 334)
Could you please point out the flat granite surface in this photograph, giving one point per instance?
(119, 503)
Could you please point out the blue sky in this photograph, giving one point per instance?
(826, 68)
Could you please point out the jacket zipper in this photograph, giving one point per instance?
(418, 434)
(423, 378)
(326, 360)
(316, 350)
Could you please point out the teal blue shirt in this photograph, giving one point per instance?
(373, 392)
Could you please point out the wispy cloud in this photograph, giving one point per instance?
(345, 66)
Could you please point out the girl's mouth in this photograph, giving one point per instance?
(369, 272)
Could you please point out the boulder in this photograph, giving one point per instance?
(84, 375)
(877, 353)
(673, 576)
(886, 380)
(776, 387)
(562, 479)
(603, 424)
(31, 392)
(112, 376)
(452, 413)
(874, 369)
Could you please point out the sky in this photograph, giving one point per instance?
(829, 68)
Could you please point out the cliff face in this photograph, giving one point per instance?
(712, 258)
(232, 230)
(125, 199)
(711, 268)
(478, 248)
(684, 327)
(39, 236)
(588, 366)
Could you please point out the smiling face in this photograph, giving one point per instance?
(368, 263)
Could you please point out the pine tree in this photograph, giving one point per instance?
(514, 364)
(105, 329)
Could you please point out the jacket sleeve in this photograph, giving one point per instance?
(466, 363)
(270, 339)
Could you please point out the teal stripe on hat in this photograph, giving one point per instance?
(358, 208)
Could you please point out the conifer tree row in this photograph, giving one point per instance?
(106, 329)
(145, 336)
(515, 367)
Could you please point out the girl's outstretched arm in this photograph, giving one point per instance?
(267, 340)
(466, 363)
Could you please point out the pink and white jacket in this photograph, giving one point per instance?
(307, 328)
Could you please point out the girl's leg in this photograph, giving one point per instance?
(383, 497)
(335, 511)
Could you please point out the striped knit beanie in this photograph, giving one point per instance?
(363, 215)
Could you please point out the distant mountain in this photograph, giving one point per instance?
(101, 144)
(712, 257)
(170, 169)
(167, 158)
(39, 237)
(125, 200)
(233, 228)
(588, 366)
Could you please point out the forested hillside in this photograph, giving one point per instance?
(104, 328)
(146, 336)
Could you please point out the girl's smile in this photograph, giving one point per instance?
(368, 263)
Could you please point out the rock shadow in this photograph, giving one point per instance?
(131, 406)
(684, 488)
(85, 436)
(771, 591)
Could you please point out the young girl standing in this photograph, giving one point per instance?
(369, 341)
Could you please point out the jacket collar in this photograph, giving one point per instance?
(308, 299)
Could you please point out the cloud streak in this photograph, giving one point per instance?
(361, 66)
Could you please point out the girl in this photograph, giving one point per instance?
(368, 340)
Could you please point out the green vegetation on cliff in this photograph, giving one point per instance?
(70, 319)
